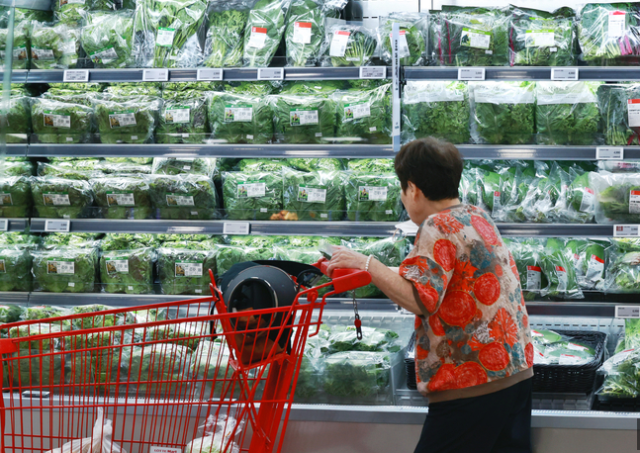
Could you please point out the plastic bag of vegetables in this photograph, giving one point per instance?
(623, 271)
(371, 166)
(16, 123)
(185, 271)
(126, 119)
(214, 436)
(15, 269)
(65, 270)
(617, 197)
(122, 197)
(15, 196)
(226, 21)
(184, 166)
(303, 119)
(21, 46)
(253, 195)
(70, 13)
(621, 375)
(412, 42)
(528, 258)
(304, 34)
(358, 376)
(559, 271)
(312, 164)
(347, 44)
(61, 122)
(53, 46)
(99, 442)
(61, 198)
(107, 38)
(373, 197)
(314, 195)
(263, 32)
(210, 370)
(589, 263)
(127, 271)
(620, 108)
(364, 116)
(183, 117)
(183, 197)
(240, 118)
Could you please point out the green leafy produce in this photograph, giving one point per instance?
(19, 240)
(99, 320)
(182, 237)
(541, 336)
(631, 333)
(160, 369)
(15, 197)
(622, 378)
(143, 89)
(436, 109)
(16, 119)
(123, 241)
(61, 122)
(311, 164)
(69, 96)
(412, 42)
(183, 197)
(391, 252)
(225, 36)
(304, 34)
(183, 118)
(126, 119)
(568, 353)
(240, 118)
(541, 194)
(348, 44)
(616, 195)
(373, 197)
(539, 40)
(228, 255)
(184, 271)
(71, 13)
(303, 119)
(107, 39)
(21, 48)
(182, 165)
(314, 195)
(364, 116)
(123, 169)
(55, 197)
(53, 47)
(15, 269)
(623, 272)
(177, 87)
(263, 32)
(65, 270)
(309, 380)
(91, 87)
(129, 160)
(343, 338)
(210, 370)
(262, 165)
(252, 196)
(371, 166)
(76, 240)
(251, 88)
(122, 197)
(560, 273)
(357, 375)
(317, 87)
(619, 127)
(184, 334)
(77, 169)
(127, 271)
(581, 196)
(528, 259)
(20, 168)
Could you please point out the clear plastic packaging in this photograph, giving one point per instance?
(184, 166)
(304, 34)
(183, 117)
(621, 375)
(373, 197)
(53, 46)
(65, 270)
(99, 442)
(357, 375)
(184, 271)
(253, 195)
(61, 122)
(240, 118)
(560, 272)
(56, 198)
(122, 197)
(412, 42)
(623, 271)
(617, 197)
(528, 258)
(313, 164)
(364, 116)
(107, 38)
(17, 122)
(15, 197)
(15, 269)
(314, 195)
(619, 166)
(217, 434)
(225, 33)
(348, 44)
(263, 32)
(303, 119)
(210, 363)
(183, 197)
(126, 119)
(617, 106)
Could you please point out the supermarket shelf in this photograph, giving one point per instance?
(555, 230)
(43, 5)
(114, 300)
(596, 73)
(538, 152)
(17, 75)
(18, 224)
(9, 297)
(17, 150)
(575, 308)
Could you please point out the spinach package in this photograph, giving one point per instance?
(373, 197)
(358, 376)
(15, 269)
(71, 12)
(20, 46)
(620, 108)
(542, 193)
(16, 122)
(226, 22)
(621, 375)
(560, 272)
(183, 117)
(304, 34)
(412, 41)
(314, 196)
(436, 109)
(107, 39)
(127, 271)
(61, 122)
(53, 46)
(528, 257)
(65, 270)
(183, 197)
(126, 119)
(541, 39)
(576, 200)
(567, 113)
(55, 197)
(166, 32)
(503, 112)
(617, 197)
(348, 44)
(16, 168)
(184, 166)
(470, 37)
(263, 32)
(623, 271)
(15, 196)
(122, 197)
(123, 241)
(364, 116)
(303, 119)
(589, 261)
(184, 271)
(240, 118)
(252, 195)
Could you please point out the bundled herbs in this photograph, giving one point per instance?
(65, 270)
(53, 46)
(314, 196)
(126, 119)
(61, 122)
(107, 38)
(303, 118)
(373, 197)
(263, 32)
(240, 118)
(183, 117)
(183, 197)
(620, 108)
(184, 271)
(304, 34)
(128, 271)
(55, 197)
(122, 197)
(364, 116)
(348, 44)
(252, 196)
(412, 41)
(225, 34)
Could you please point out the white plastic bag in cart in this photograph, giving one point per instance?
(99, 442)
(216, 434)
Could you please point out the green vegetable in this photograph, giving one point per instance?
(210, 371)
(61, 122)
(317, 87)
(412, 40)
(76, 240)
(71, 13)
(184, 271)
(159, 368)
(65, 270)
(542, 41)
(263, 32)
(373, 197)
(251, 88)
(178, 166)
(631, 333)
(127, 271)
(91, 322)
(21, 48)
(357, 375)
(613, 102)
(224, 44)
(15, 269)
(15, 197)
(344, 339)
(126, 119)
(364, 116)
(528, 259)
(616, 195)
(303, 119)
(561, 275)
(8, 168)
(183, 197)
(545, 336)
(55, 197)
(622, 379)
(249, 196)
(580, 195)
(183, 118)
(16, 120)
(122, 197)
(262, 165)
(240, 118)
(124, 241)
(310, 164)
(623, 272)
(107, 39)
(358, 49)
(315, 195)
(371, 166)
(304, 34)
(53, 47)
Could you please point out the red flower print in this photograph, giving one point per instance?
(458, 308)
(494, 357)
(498, 270)
(462, 278)
(447, 224)
(525, 321)
(487, 289)
(428, 295)
(474, 344)
(444, 379)
(514, 268)
(418, 261)
(444, 253)
(485, 230)
(528, 354)
(436, 325)
(503, 328)
(469, 374)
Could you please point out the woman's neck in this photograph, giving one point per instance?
(434, 207)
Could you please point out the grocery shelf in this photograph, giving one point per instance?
(15, 150)
(538, 152)
(555, 230)
(18, 225)
(42, 5)
(114, 300)
(14, 297)
(17, 75)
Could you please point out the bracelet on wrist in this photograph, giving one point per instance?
(366, 266)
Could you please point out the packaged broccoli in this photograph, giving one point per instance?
(314, 195)
(184, 165)
(184, 271)
(127, 271)
(364, 116)
(347, 44)
(436, 109)
(16, 123)
(313, 164)
(183, 117)
(412, 41)
(303, 119)
(617, 197)
(20, 46)
(15, 197)
(122, 197)
(183, 197)
(61, 122)
(358, 376)
(263, 32)
(126, 119)
(240, 118)
(373, 197)
(560, 272)
(65, 270)
(304, 33)
(252, 196)
(226, 22)
(55, 197)
(503, 112)
(53, 46)
(617, 104)
(107, 38)
(15, 269)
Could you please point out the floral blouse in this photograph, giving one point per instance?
(474, 327)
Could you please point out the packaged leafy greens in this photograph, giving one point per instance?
(15, 197)
(373, 197)
(623, 271)
(621, 377)
(183, 197)
(184, 271)
(17, 119)
(126, 119)
(528, 258)
(183, 117)
(107, 38)
(313, 164)
(542, 39)
(263, 32)
(371, 166)
(127, 271)
(304, 33)
(71, 12)
(436, 109)
(303, 119)
(21, 52)
(15, 269)
(617, 197)
(122, 241)
(184, 165)
(210, 369)
(503, 112)
(262, 165)
(55, 197)
(65, 270)
(541, 194)
(253, 195)
(358, 375)
(621, 118)
(560, 272)
(348, 44)
(225, 33)
(76, 240)
(252, 88)
(78, 169)
(240, 118)
(122, 197)
(412, 41)
(364, 116)
(53, 46)
(61, 122)
(314, 195)
(228, 255)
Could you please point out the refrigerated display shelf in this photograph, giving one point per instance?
(17, 225)
(42, 5)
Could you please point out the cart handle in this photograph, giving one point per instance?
(344, 280)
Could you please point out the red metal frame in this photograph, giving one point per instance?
(160, 376)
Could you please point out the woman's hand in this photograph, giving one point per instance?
(343, 258)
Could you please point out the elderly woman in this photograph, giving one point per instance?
(474, 355)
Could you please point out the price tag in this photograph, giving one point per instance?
(57, 226)
(210, 74)
(471, 73)
(155, 75)
(373, 72)
(4, 224)
(270, 73)
(564, 73)
(621, 231)
(76, 75)
(609, 152)
(237, 228)
(627, 311)
(156, 449)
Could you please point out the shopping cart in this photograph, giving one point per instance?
(159, 371)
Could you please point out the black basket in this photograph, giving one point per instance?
(410, 363)
(571, 378)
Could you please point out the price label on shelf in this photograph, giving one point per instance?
(57, 226)
(471, 73)
(609, 152)
(4, 224)
(155, 75)
(373, 72)
(270, 73)
(564, 74)
(625, 231)
(237, 228)
(158, 449)
(210, 74)
(76, 75)
(627, 311)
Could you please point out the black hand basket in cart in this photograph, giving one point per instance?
(571, 378)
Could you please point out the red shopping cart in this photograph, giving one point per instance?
(159, 371)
